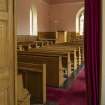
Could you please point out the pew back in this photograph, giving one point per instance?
(53, 66)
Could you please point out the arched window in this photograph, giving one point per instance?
(80, 22)
(33, 22)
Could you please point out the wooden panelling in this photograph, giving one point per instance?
(3, 5)
(4, 96)
(61, 37)
(26, 38)
(3, 43)
(4, 92)
(46, 35)
(7, 54)
(4, 74)
(71, 36)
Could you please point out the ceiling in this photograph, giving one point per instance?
(62, 1)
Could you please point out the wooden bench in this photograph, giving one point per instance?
(67, 46)
(37, 44)
(55, 60)
(53, 66)
(74, 50)
(79, 50)
(34, 79)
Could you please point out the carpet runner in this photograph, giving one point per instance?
(75, 94)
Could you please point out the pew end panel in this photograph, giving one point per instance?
(53, 67)
(34, 79)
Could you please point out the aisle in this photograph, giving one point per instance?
(75, 94)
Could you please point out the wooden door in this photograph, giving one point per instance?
(7, 54)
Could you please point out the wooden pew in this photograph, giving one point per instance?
(79, 50)
(53, 65)
(68, 46)
(24, 46)
(34, 79)
(61, 50)
(70, 49)
(54, 60)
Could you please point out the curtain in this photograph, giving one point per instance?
(93, 49)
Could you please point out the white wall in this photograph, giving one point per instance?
(43, 10)
(63, 16)
(23, 16)
(49, 17)
(103, 54)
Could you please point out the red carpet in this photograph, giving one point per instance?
(73, 95)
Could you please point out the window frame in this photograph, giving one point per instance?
(78, 15)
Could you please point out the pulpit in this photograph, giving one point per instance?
(61, 36)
